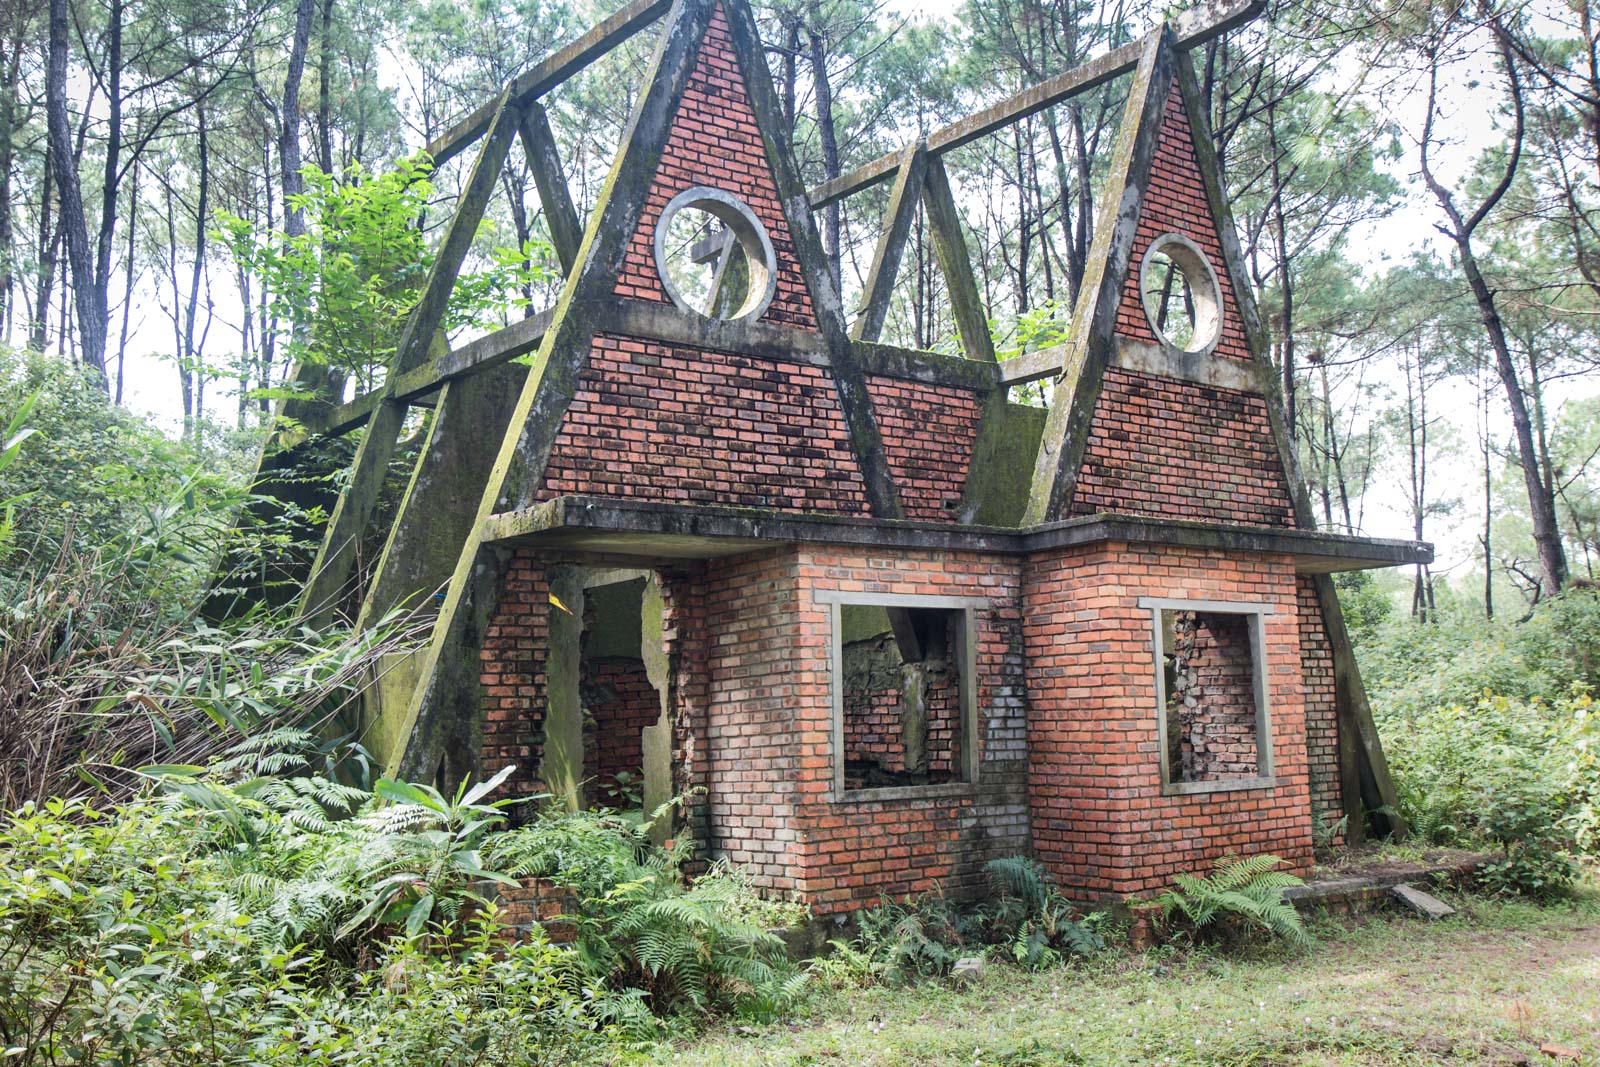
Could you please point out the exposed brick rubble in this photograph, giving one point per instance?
(1211, 703)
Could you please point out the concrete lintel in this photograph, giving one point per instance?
(641, 529)
(1200, 368)
(1034, 366)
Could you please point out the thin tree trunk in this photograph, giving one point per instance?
(192, 357)
(89, 299)
(830, 150)
(1541, 496)
(8, 113)
(325, 89)
(127, 286)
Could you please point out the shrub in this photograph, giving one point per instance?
(1518, 776)
(1239, 894)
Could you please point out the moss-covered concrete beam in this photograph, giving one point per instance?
(551, 72)
(618, 528)
(1089, 344)
(897, 221)
(1192, 28)
(335, 564)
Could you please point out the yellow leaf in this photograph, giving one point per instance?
(557, 602)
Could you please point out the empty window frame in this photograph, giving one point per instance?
(904, 716)
(1212, 710)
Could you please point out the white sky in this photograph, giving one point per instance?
(151, 380)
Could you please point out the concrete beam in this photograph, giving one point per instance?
(1090, 342)
(447, 693)
(335, 563)
(1191, 29)
(849, 380)
(897, 220)
(618, 527)
(549, 178)
(550, 72)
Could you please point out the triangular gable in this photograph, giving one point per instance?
(1139, 426)
(715, 140)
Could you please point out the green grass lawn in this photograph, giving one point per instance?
(1490, 985)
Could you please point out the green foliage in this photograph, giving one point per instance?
(921, 937)
(80, 476)
(1041, 926)
(898, 943)
(660, 941)
(1239, 893)
(1409, 666)
(340, 289)
(1517, 776)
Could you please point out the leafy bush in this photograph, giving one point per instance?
(1409, 667)
(922, 937)
(124, 938)
(1238, 894)
(1519, 776)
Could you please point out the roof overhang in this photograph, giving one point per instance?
(612, 527)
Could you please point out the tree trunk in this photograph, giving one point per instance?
(8, 113)
(830, 150)
(294, 222)
(193, 360)
(325, 90)
(89, 299)
(127, 285)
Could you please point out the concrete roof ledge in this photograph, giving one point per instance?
(660, 530)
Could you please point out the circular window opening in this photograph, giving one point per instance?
(714, 255)
(1180, 294)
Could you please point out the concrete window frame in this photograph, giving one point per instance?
(1255, 612)
(967, 645)
(742, 223)
(1203, 286)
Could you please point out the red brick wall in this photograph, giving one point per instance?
(856, 849)
(715, 142)
(1101, 823)
(1174, 449)
(1175, 202)
(1322, 716)
(621, 702)
(512, 673)
(928, 433)
(758, 740)
(687, 427)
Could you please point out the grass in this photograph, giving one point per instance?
(1490, 985)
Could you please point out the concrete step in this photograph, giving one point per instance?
(1423, 903)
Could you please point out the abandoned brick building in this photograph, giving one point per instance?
(876, 620)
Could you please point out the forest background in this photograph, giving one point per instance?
(1415, 186)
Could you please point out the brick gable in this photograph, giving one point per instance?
(715, 142)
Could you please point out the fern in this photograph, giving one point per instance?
(1249, 890)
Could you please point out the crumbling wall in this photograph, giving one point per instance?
(878, 688)
(1211, 705)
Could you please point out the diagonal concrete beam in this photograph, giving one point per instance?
(1191, 28)
(897, 222)
(549, 73)
(335, 563)
(1090, 342)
